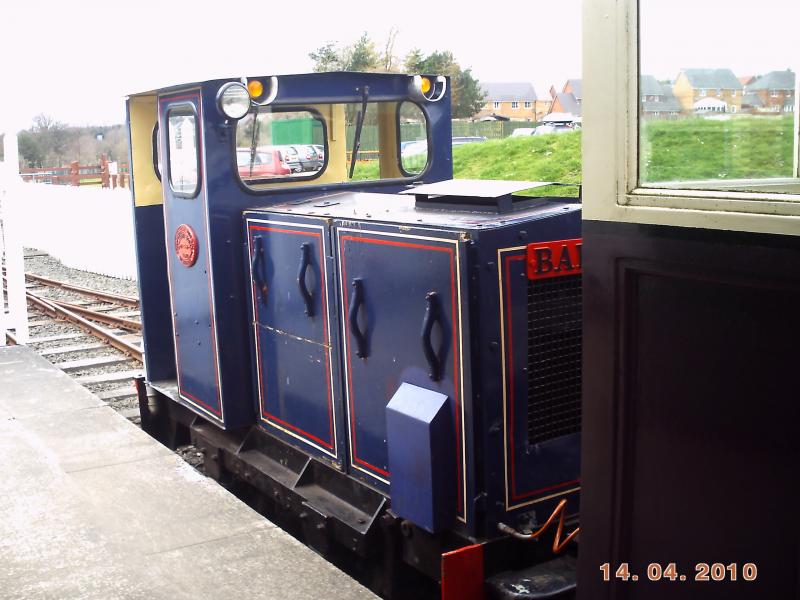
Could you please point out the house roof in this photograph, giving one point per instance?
(568, 103)
(670, 105)
(712, 78)
(774, 80)
(577, 89)
(649, 86)
(508, 91)
(746, 79)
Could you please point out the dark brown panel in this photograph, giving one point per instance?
(691, 406)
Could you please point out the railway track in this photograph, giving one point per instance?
(93, 335)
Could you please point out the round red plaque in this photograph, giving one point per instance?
(186, 245)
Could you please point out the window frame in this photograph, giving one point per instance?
(528, 104)
(495, 104)
(184, 109)
(514, 104)
(611, 146)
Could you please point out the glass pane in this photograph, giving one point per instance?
(183, 156)
(718, 96)
(367, 166)
(291, 143)
(413, 139)
(278, 144)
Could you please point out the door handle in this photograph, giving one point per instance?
(356, 300)
(257, 267)
(301, 279)
(433, 315)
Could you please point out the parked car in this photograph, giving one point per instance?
(458, 141)
(266, 163)
(554, 128)
(412, 148)
(523, 131)
(291, 157)
(307, 156)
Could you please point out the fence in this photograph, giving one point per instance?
(492, 130)
(106, 174)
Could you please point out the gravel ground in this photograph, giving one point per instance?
(191, 456)
(105, 387)
(47, 266)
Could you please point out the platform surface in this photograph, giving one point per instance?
(91, 507)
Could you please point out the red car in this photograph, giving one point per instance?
(266, 163)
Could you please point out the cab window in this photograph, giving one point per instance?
(182, 152)
(280, 144)
(330, 143)
(414, 150)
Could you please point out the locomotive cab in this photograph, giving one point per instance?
(387, 358)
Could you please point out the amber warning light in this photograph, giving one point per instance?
(255, 87)
(554, 259)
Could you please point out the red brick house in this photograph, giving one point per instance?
(510, 99)
(657, 99)
(700, 86)
(569, 99)
(771, 93)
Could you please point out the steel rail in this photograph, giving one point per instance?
(100, 317)
(107, 296)
(59, 312)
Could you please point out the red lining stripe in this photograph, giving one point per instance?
(509, 353)
(456, 318)
(198, 401)
(264, 413)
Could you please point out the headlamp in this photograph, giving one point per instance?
(233, 100)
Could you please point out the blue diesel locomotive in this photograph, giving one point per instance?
(383, 360)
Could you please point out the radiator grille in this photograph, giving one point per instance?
(554, 358)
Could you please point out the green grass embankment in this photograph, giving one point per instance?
(554, 157)
(737, 148)
(534, 158)
(694, 148)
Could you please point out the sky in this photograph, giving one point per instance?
(77, 61)
(748, 37)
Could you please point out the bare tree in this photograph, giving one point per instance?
(389, 59)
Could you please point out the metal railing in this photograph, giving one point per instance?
(105, 174)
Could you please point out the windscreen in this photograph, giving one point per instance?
(331, 143)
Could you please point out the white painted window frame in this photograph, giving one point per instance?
(611, 144)
(515, 104)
